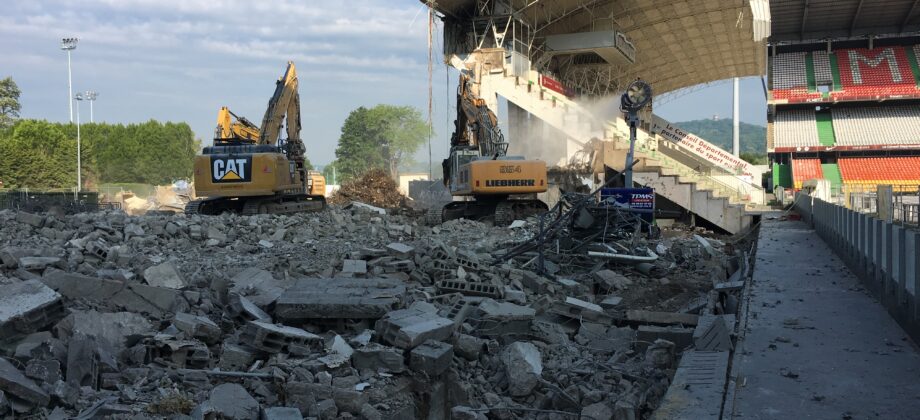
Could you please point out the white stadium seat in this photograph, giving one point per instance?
(878, 125)
(795, 128)
(789, 71)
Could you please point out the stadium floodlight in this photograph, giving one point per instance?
(79, 98)
(637, 96)
(69, 44)
(90, 96)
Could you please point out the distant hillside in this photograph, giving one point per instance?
(753, 137)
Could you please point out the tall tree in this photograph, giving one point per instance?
(9, 102)
(384, 136)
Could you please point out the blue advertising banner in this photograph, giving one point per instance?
(639, 200)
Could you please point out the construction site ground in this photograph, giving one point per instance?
(816, 345)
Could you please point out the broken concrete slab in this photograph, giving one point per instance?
(432, 357)
(273, 338)
(580, 310)
(28, 306)
(609, 280)
(400, 250)
(409, 327)
(339, 299)
(357, 268)
(76, 286)
(16, 385)
(523, 368)
(698, 387)
(164, 275)
(30, 219)
(234, 357)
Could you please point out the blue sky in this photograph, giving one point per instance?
(181, 60)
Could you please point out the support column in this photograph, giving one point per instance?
(736, 119)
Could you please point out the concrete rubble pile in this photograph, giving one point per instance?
(337, 314)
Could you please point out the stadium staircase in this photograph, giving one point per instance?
(825, 128)
(681, 177)
(832, 173)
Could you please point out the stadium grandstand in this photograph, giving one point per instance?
(845, 105)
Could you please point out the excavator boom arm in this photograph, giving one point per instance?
(284, 102)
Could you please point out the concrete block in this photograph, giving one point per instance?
(469, 347)
(681, 337)
(38, 263)
(356, 268)
(432, 357)
(191, 354)
(494, 318)
(281, 413)
(164, 275)
(610, 302)
(377, 357)
(339, 299)
(468, 288)
(608, 281)
(200, 327)
(17, 386)
(326, 410)
(273, 338)
(597, 411)
(28, 306)
(400, 250)
(408, 328)
(581, 310)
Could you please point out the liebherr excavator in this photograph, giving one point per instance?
(478, 167)
(250, 170)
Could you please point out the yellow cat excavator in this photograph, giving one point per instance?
(251, 170)
(491, 183)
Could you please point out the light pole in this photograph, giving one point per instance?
(90, 96)
(636, 97)
(79, 97)
(69, 44)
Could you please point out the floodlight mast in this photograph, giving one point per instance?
(79, 97)
(68, 45)
(90, 96)
(637, 96)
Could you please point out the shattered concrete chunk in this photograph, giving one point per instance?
(400, 250)
(28, 306)
(76, 286)
(243, 309)
(523, 367)
(354, 267)
(598, 411)
(326, 410)
(234, 357)
(164, 275)
(38, 263)
(681, 337)
(30, 219)
(262, 285)
(116, 328)
(579, 309)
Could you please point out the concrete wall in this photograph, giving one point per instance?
(884, 255)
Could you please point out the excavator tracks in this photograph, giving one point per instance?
(502, 212)
(286, 204)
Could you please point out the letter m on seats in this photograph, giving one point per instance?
(887, 54)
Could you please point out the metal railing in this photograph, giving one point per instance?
(864, 198)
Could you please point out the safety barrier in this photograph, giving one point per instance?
(885, 255)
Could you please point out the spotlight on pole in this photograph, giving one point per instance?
(79, 97)
(637, 96)
(68, 45)
(91, 97)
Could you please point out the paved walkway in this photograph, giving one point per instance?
(817, 345)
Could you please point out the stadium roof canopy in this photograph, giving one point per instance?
(803, 20)
(679, 43)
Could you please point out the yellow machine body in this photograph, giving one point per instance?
(501, 177)
(244, 175)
